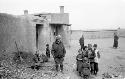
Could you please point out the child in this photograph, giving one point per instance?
(37, 58)
(91, 56)
(79, 62)
(47, 51)
(97, 57)
(90, 47)
(85, 51)
(85, 70)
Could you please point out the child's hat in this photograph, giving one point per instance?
(84, 47)
(95, 45)
(47, 44)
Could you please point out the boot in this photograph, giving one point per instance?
(61, 67)
(57, 67)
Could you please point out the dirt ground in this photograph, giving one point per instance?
(112, 61)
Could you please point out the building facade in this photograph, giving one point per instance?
(36, 30)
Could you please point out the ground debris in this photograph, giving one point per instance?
(106, 75)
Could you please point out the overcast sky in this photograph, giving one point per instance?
(84, 14)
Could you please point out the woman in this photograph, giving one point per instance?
(115, 45)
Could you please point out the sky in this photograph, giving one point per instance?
(83, 14)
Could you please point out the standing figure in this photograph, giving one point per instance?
(58, 51)
(47, 51)
(37, 58)
(85, 51)
(81, 41)
(97, 57)
(90, 47)
(91, 56)
(85, 69)
(79, 61)
(115, 45)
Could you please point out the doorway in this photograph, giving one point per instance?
(56, 29)
(38, 32)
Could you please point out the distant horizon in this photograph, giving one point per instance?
(97, 29)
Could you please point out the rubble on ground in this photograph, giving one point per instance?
(114, 72)
(13, 67)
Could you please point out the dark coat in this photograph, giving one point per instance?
(91, 56)
(47, 52)
(85, 53)
(79, 57)
(115, 41)
(81, 41)
(85, 69)
(58, 50)
(79, 62)
(116, 38)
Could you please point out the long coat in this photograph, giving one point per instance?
(58, 50)
(79, 62)
(81, 41)
(115, 41)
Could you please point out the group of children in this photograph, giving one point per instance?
(87, 60)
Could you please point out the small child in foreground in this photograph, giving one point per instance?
(97, 57)
(85, 69)
(79, 62)
(47, 51)
(91, 56)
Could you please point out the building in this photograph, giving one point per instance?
(34, 31)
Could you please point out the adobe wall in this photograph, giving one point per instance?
(76, 34)
(121, 32)
(66, 35)
(62, 18)
(19, 29)
(22, 30)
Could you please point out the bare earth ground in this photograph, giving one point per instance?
(112, 61)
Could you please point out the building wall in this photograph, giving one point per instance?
(76, 34)
(66, 33)
(13, 28)
(121, 32)
(47, 32)
(62, 18)
(22, 29)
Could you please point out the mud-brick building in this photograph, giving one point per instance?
(34, 31)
